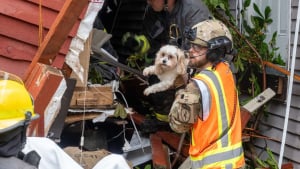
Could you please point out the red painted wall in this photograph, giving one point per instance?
(19, 32)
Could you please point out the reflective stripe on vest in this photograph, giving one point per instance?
(222, 106)
(205, 97)
(233, 155)
(221, 100)
(223, 148)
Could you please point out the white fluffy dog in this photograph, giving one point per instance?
(170, 62)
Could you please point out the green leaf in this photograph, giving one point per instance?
(256, 9)
(258, 21)
(247, 3)
(270, 153)
(269, 21)
(267, 12)
(264, 48)
(261, 163)
(247, 27)
(148, 166)
(222, 6)
(278, 60)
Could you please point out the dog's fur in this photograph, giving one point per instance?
(170, 62)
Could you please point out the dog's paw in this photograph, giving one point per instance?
(146, 72)
(147, 92)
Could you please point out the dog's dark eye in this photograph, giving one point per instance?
(170, 56)
(163, 54)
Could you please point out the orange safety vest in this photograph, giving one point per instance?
(216, 141)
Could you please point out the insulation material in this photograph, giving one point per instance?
(78, 42)
(54, 105)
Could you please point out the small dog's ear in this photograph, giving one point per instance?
(181, 62)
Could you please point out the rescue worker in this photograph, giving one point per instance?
(209, 106)
(175, 17)
(20, 152)
(165, 23)
(16, 112)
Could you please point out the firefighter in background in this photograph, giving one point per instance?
(138, 46)
(209, 106)
(165, 22)
(20, 152)
(173, 18)
(16, 112)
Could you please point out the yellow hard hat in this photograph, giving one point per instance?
(16, 103)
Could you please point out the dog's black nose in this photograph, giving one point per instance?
(164, 61)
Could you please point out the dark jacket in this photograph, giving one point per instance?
(14, 163)
(186, 14)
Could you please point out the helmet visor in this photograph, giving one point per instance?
(9, 76)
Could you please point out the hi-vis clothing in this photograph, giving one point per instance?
(216, 140)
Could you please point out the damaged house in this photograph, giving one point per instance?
(86, 84)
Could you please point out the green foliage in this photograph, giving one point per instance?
(148, 166)
(217, 5)
(252, 45)
(270, 162)
(255, 33)
(214, 4)
(250, 42)
(95, 77)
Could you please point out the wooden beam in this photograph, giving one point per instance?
(173, 139)
(159, 158)
(58, 33)
(138, 118)
(42, 85)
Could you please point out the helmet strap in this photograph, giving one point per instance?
(166, 5)
(26, 124)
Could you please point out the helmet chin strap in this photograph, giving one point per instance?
(166, 5)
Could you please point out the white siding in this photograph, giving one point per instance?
(272, 126)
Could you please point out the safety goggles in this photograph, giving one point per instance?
(197, 48)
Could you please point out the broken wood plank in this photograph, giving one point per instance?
(287, 166)
(245, 117)
(173, 139)
(57, 34)
(42, 84)
(138, 118)
(80, 116)
(159, 153)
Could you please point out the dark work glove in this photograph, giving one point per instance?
(32, 158)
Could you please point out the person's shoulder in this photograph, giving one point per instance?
(192, 3)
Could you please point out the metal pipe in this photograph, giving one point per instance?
(290, 88)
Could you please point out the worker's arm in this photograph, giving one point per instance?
(186, 109)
